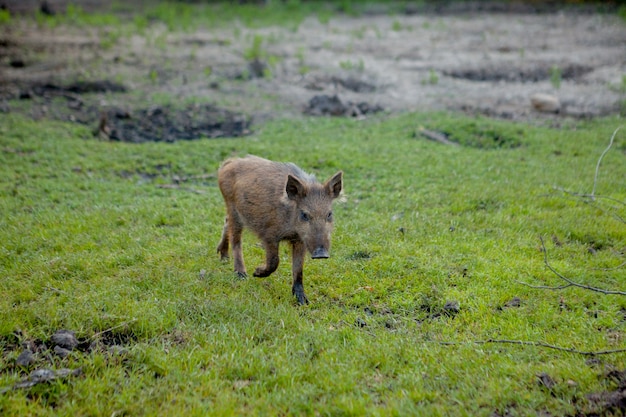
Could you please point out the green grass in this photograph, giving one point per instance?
(92, 241)
(5, 17)
(556, 77)
(189, 17)
(183, 16)
(348, 65)
(75, 15)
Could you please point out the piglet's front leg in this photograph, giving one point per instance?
(297, 264)
(271, 260)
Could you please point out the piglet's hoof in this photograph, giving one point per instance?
(261, 273)
(241, 275)
(298, 291)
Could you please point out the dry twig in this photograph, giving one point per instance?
(540, 344)
(613, 268)
(588, 198)
(593, 197)
(436, 136)
(595, 178)
(570, 283)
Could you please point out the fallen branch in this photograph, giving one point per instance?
(613, 268)
(593, 197)
(539, 344)
(570, 283)
(583, 195)
(590, 199)
(436, 136)
(53, 289)
(544, 287)
(40, 376)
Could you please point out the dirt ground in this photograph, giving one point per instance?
(465, 57)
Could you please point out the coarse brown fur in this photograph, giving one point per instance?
(277, 201)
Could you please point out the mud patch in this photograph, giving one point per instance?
(38, 357)
(169, 124)
(608, 403)
(349, 83)
(325, 105)
(79, 87)
(517, 74)
(80, 102)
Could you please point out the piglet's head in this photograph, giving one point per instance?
(314, 214)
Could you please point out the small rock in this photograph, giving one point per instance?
(452, 307)
(241, 384)
(44, 375)
(41, 375)
(545, 103)
(360, 322)
(65, 339)
(546, 380)
(594, 361)
(513, 302)
(62, 352)
(26, 358)
(64, 372)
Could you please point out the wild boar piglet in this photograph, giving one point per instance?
(277, 201)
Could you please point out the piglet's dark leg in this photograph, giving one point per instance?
(298, 253)
(271, 260)
(222, 248)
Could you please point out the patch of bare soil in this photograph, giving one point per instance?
(324, 105)
(608, 403)
(38, 359)
(510, 62)
(169, 124)
(158, 123)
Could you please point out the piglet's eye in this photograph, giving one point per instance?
(329, 218)
(304, 216)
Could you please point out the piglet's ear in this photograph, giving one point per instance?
(295, 189)
(334, 185)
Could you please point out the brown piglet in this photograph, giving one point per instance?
(277, 201)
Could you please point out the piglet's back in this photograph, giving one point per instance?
(252, 176)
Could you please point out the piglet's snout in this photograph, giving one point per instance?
(320, 253)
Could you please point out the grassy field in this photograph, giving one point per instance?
(116, 242)
(426, 306)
